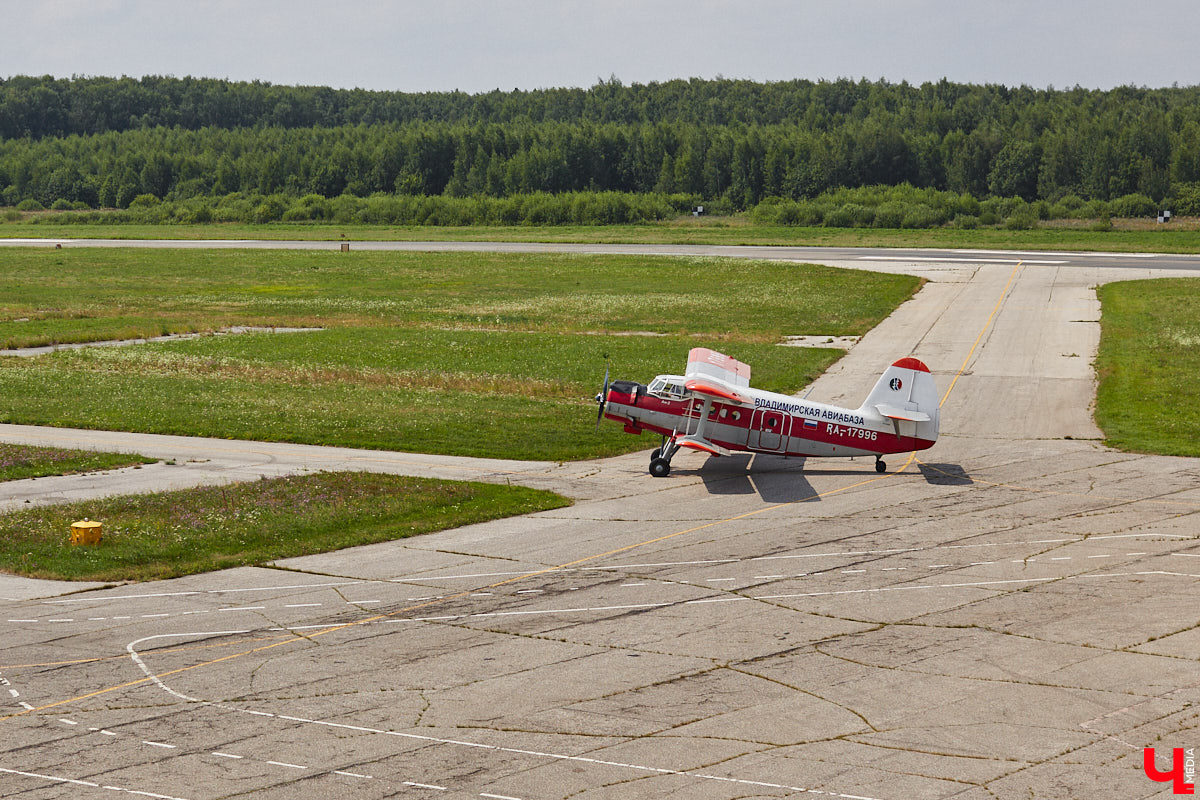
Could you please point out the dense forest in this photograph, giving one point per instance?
(734, 145)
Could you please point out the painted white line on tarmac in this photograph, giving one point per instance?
(907, 588)
(90, 784)
(94, 598)
(1053, 253)
(830, 554)
(561, 757)
(934, 259)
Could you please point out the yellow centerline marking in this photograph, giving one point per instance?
(995, 309)
(526, 576)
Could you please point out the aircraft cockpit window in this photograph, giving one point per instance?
(666, 387)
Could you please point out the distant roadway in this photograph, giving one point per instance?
(768, 252)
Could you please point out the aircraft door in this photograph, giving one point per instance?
(769, 430)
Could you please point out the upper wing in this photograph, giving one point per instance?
(705, 363)
(717, 375)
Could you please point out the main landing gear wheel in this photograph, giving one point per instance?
(660, 468)
(880, 466)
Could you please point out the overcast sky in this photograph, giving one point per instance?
(479, 45)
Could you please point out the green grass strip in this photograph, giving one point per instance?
(1148, 366)
(168, 534)
(24, 461)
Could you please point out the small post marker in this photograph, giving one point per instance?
(85, 532)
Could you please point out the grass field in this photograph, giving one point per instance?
(1138, 235)
(23, 461)
(443, 353)
(169, 534)
(1148, 365)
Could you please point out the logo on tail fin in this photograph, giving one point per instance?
(895, 384)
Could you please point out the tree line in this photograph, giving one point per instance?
(102, 142)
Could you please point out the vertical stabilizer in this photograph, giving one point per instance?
(907, 395)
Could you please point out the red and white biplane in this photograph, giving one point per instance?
(711, 408)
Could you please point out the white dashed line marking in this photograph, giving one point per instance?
(1060, 558)
(1103, 556)
(498, 796)
(68, 722)
(627, 585)
(54, 778)
(226, 755)
(852, 571)
(363, 602)
(351, 774)
(14, 693)
(302, 605)
(243, 608)
(160, 744)
(425, 786)
(285, 764)
(150, 616)
(22, 620)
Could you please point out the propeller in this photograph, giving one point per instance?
(602, 398)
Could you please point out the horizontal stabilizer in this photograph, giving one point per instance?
(891, 412)
(703, 445)
(716, 390)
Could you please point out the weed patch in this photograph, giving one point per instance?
(168, 534)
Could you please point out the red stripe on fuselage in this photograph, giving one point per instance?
(835, 435)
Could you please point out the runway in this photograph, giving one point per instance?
(1010, 615)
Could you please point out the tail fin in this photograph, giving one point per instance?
(906, 395)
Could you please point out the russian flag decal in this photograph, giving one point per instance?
(810, 424)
